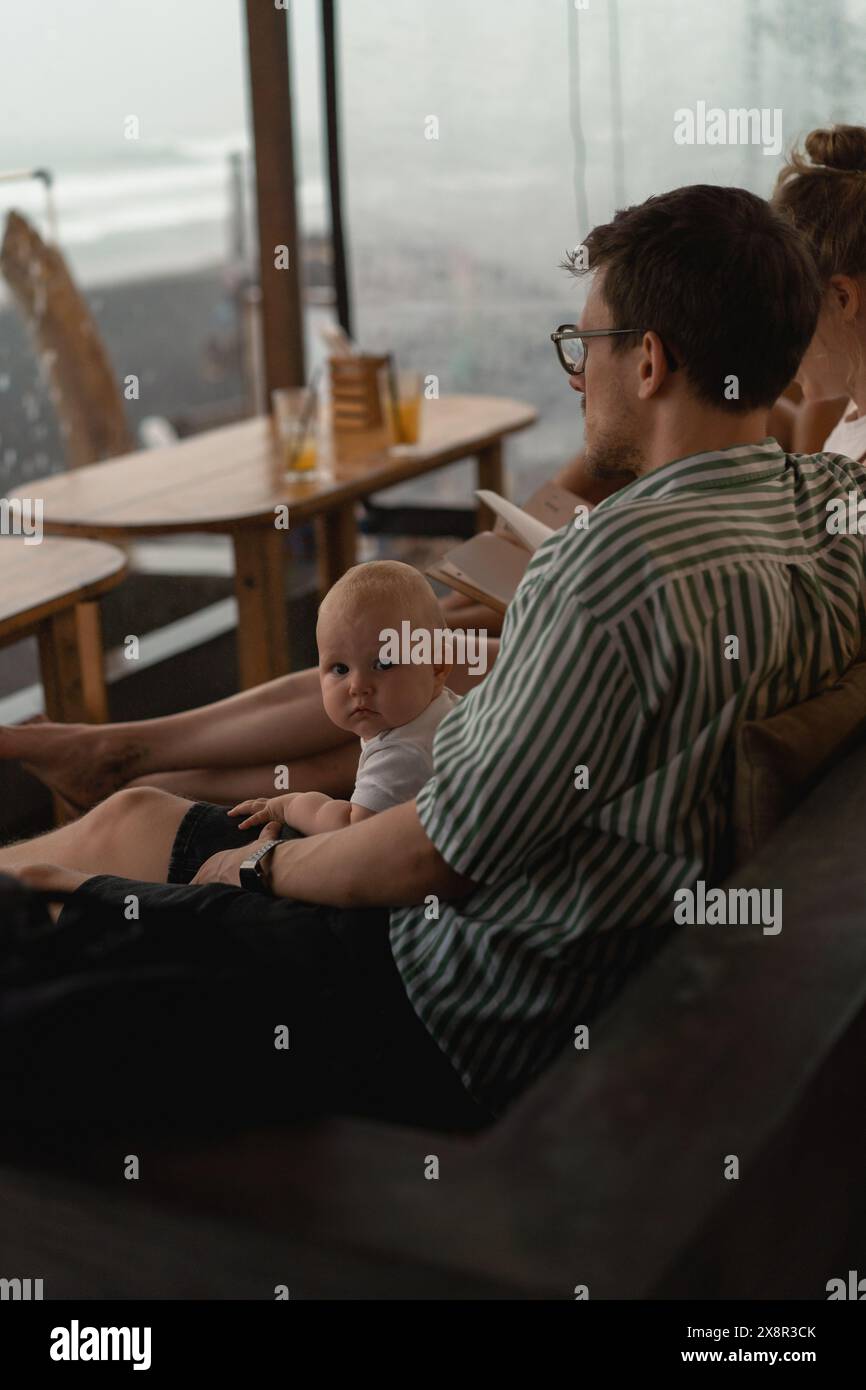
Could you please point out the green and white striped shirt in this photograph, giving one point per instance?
(613, 657)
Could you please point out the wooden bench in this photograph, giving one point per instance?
(608, 1173)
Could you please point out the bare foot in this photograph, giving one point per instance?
(82, 763)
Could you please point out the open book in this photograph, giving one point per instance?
(489, 567)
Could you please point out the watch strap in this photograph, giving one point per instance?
(251, 875)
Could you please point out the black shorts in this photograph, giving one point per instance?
(170, 1009)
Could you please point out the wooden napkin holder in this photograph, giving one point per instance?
(356, 392)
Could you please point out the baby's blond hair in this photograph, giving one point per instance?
(377, 580)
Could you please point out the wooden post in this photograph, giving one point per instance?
(332, 121)
(94, 692)
(263, 644)
(336, 542)
(73, 675)
(60, 667)
(271, 106)
(491, 477)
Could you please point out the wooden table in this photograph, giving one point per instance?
(51, 590)
(232, 480)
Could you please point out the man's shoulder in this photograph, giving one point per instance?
(832, 467)
(631, 546)
(624, 544)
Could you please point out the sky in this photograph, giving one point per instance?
(74, 69)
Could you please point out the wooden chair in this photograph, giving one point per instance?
(67, 339)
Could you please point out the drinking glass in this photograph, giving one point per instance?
(295, 410)
(406, 428)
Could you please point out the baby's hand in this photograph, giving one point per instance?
(260, 810)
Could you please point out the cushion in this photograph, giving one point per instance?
(779, 760)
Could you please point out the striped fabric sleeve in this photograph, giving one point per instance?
(559, 698)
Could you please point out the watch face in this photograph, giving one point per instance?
(251, 879)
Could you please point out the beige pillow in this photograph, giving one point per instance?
(779, 760)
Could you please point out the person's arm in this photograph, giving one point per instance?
(781, 423)
(309, 812)
(314, 813)
(463, 613)
(386, 861)
(815, 421)
(801, 427)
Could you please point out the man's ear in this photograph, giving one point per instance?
(845, 292)
(653, 369)
(440, 676)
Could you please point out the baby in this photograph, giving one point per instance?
(395, 709)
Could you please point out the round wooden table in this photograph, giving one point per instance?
(51, 590)
(232, 480)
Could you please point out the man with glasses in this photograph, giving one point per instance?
(430, 961)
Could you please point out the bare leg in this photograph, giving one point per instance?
(332, 772)
(281, 722)
(273, 723)
(131, 834)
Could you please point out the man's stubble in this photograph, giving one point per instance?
(614, 452)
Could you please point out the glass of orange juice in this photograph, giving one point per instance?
(295, 419)
(406, 427)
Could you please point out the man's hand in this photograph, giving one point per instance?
(225, 865)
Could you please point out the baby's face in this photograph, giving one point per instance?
(360, 692)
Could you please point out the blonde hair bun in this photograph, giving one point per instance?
(822, 190)
(839, 147)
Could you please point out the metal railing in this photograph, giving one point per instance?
(46, 177)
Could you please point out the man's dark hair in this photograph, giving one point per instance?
(727, 283)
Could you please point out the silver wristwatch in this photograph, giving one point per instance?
(252, 873)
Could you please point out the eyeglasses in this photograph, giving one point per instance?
(572, 348)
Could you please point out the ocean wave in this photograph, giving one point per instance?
(212, 146)
(142, 217)
(94, 204)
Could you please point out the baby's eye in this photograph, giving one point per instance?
(339, 668)
(380, 665)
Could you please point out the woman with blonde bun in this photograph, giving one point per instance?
(823, 190)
